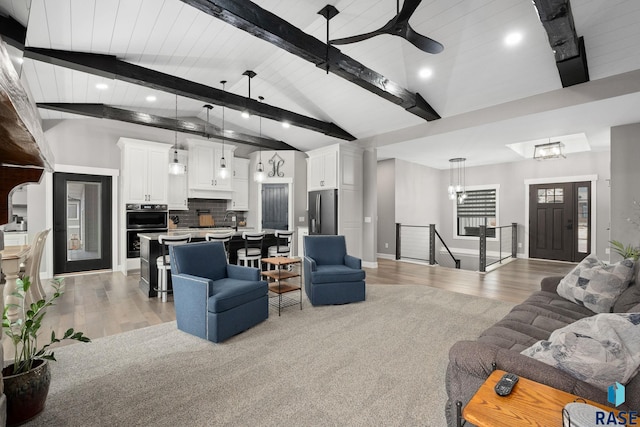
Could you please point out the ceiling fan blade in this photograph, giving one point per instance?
(422, 42)
(408, 7)
(357, 38)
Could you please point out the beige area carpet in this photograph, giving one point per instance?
(378, 362)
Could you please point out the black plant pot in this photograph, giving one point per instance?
(26, 393)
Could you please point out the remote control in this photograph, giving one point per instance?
(506, 383)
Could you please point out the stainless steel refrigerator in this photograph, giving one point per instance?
(323, 212)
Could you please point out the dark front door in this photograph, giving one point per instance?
(559, 221)
(275, 206)
(82, 235)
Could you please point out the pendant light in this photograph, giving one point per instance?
(209, 107)
(224, 173)
(259, 175)
(250, 74)
(175, 167)
(457, 179)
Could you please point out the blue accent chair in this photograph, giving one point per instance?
(331, 276)
(213, 299)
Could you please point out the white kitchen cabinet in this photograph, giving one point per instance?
(240, 184)
(340, 166)
(322, 170)
(204, 169)
(145, 173)
(178, 186)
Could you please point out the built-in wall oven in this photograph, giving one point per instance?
(143, 219)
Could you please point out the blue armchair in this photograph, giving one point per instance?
(331, 276)
(215, 300)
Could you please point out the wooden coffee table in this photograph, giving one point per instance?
(529, 404)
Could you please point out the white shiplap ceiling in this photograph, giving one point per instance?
(476, 76)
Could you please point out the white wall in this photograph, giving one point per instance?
(294, 169)
(418, 192)
(511, 178)
(625, 176)
(421, 195)
(386, 185)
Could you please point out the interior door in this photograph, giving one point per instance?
(82, 235)
(559, 221)
(275, 206)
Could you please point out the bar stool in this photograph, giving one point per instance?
(283, 243)
(221, 237)
(252, 250)
(163, 263)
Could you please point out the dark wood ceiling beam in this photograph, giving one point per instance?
(12, 32)
(102, 111)
(247, 16)
(568, 48)
(110, 67)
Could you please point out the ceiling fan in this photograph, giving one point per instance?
(399, 26)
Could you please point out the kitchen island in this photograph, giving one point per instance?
(150, 251)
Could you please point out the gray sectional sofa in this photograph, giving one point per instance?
(499, 347)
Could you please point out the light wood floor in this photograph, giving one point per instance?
(102, 304)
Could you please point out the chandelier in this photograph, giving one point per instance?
(457, 179)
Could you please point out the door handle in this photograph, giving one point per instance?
(318, 213)
(570, 225)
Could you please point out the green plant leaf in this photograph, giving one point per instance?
(23, 331)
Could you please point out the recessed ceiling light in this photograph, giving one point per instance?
(513, 39)
(286, 125)
(102, 86)
(245, 115)
(229, 131)
(151, 98)
(20, 60)
(425, 73)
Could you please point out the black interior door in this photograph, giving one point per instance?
(559, 221)
(82, 234)
(275, 206)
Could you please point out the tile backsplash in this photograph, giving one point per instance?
(217, 209)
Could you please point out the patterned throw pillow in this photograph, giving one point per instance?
(595, 284)
(598, 350)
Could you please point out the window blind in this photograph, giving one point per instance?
(478, 204)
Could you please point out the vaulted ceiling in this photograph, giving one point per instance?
(488, 94)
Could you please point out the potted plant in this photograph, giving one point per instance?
(625, 252)
(27, 378)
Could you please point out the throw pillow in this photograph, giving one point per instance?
(595, 284)
(598, 350)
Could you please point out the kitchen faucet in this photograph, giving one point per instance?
(234, 218)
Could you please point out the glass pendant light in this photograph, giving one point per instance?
(224, 173)
(457, 172)
(175, 167)
(259, 174)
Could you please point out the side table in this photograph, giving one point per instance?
(280, 283)
(529, 404)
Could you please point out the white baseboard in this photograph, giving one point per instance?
(385, 256)
(369, 264)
